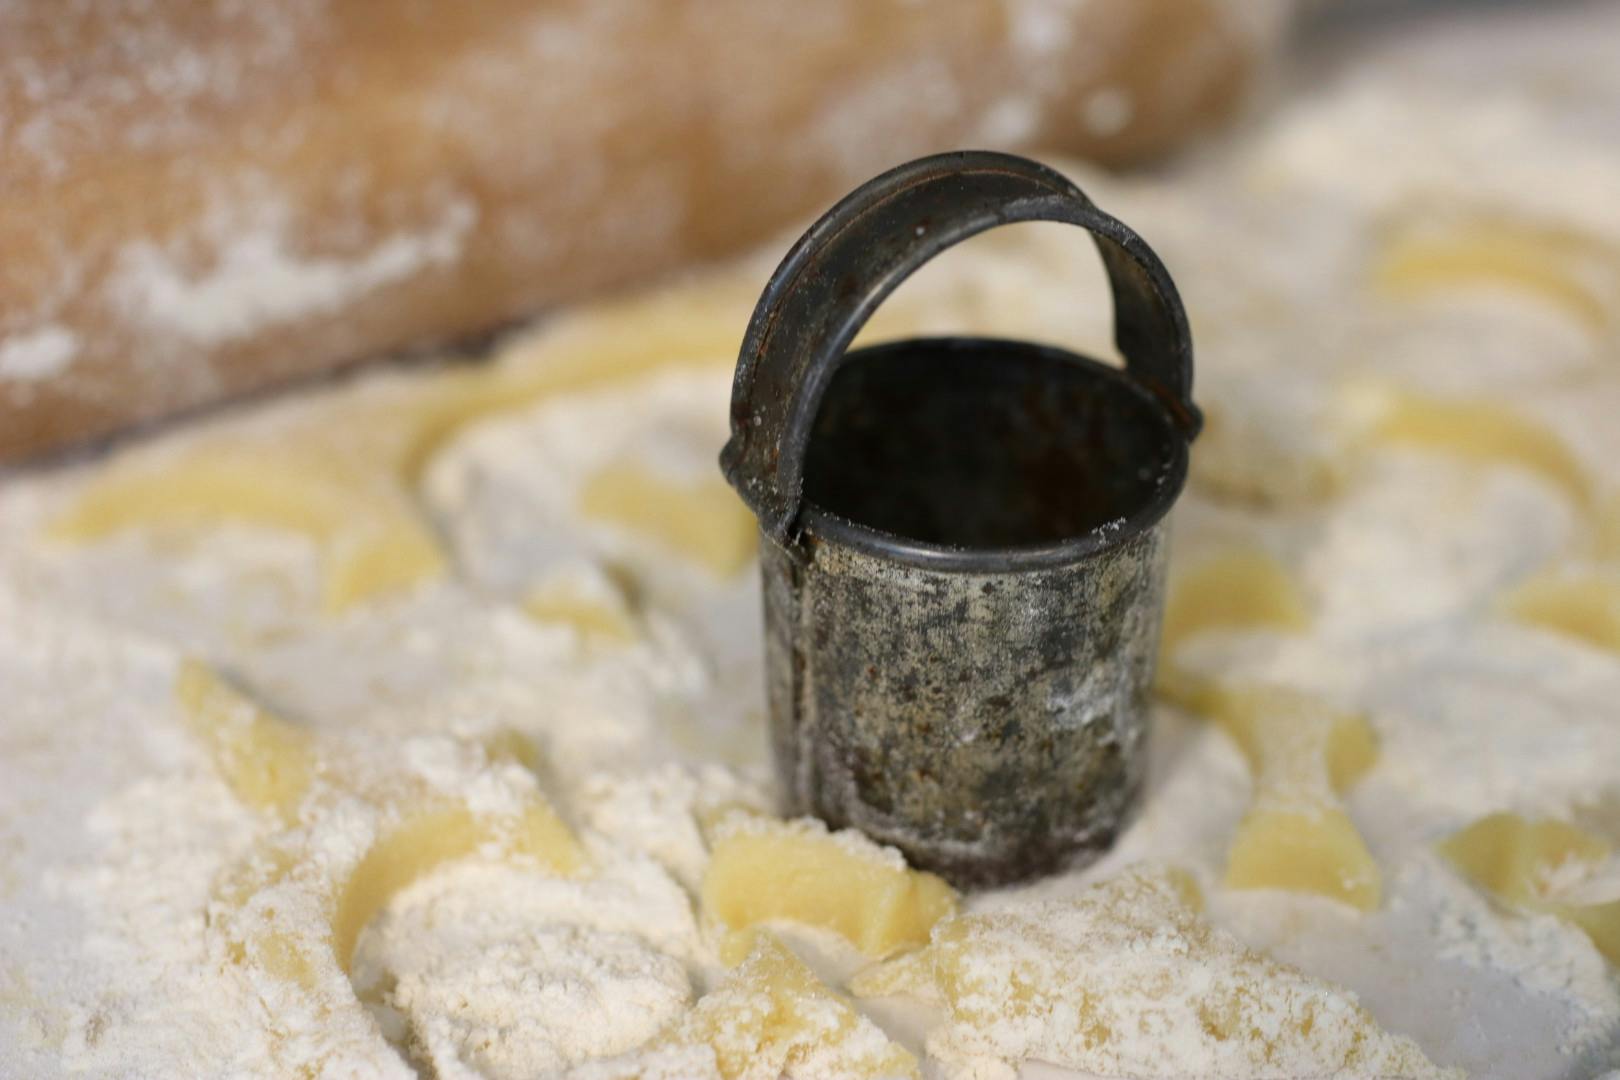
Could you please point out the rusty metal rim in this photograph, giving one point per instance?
(815, 523)
(857, 253)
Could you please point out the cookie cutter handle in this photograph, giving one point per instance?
(849, 262)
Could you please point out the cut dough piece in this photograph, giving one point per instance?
(1601, 923)
(1243, 587)
(1255, 715)
(289, 914)
(267, 762)
(1580, 605)
(762, 869)
(1485, 432)
(1304, 851)
(1567, 270)
(776, 1018)
(372, 539)
(205, 489)
(1608, 530)
(694, 325)
(380, 560)
(427, 840)
(702, 520)
(663, 811)
(348, 482)
(505, 744)
(588, 615)
(1295, 835)
(1516, 860)
(276, 929)
(585, 599)
(1303, 754)
(1078, 982)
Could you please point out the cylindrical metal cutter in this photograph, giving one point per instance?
(963, 538)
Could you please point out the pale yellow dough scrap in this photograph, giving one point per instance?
(267, 762)
(1303, 754)
(690, 325)
(205, 489)
(1515, 859)
(288, 915)
(373, 540)
(287, 918)
(1583, 605)
(1601, 923)
(1076, 982)
(1569, 271)
(762, 869)
(347, 479)
(1234, 589)
(429, 838)
(589, 616)
(776, 1018)
(1486, 432)
(591, 603)
(384, 559)
(507, 744)
(1608, 529)
(702, 520)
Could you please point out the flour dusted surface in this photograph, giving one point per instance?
(1162, 994)
(116, 831)
(497, 975)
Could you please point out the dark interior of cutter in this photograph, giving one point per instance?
(975, 444)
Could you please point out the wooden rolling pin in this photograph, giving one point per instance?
(199, 199)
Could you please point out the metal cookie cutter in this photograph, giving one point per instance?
(964, 545)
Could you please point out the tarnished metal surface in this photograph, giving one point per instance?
(988, 725)
(963, 539)
(858, 253)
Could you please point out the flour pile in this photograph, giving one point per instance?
(479, 847)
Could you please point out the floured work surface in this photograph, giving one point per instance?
(413, 726)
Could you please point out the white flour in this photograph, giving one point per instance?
(258, 282)
(116, 831)
(1162, 995)
(493, 972)
(42, 354)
